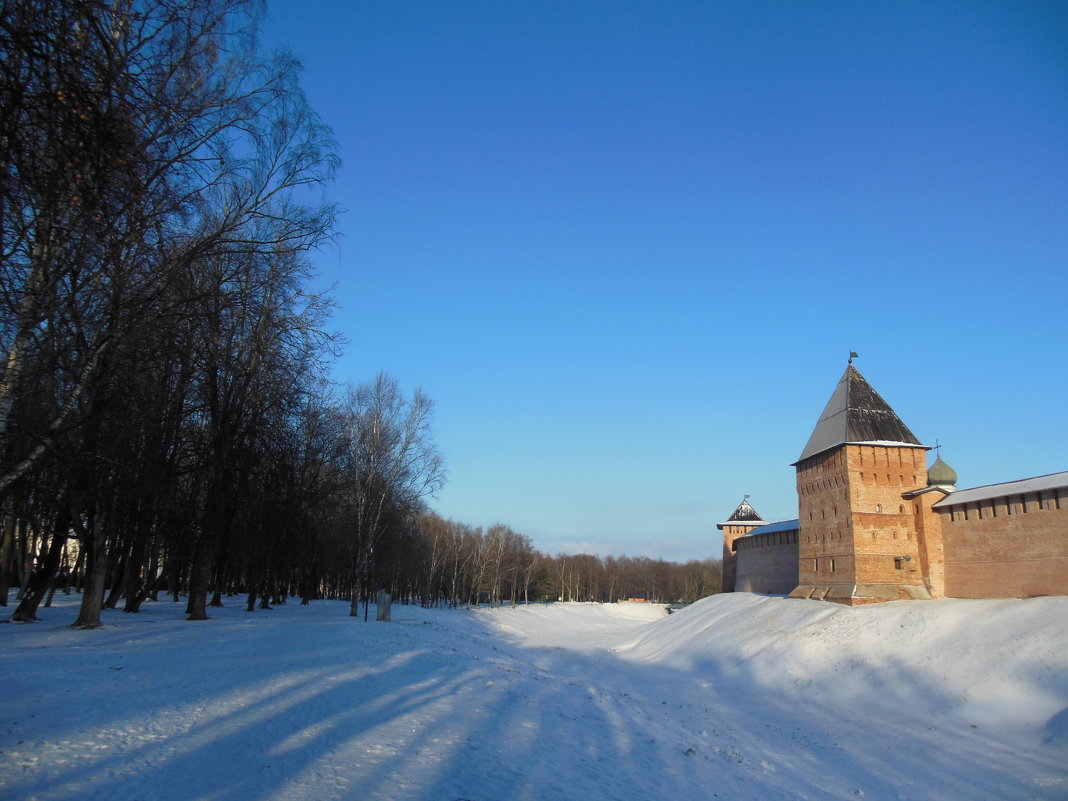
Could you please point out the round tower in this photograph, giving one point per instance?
(743, 520)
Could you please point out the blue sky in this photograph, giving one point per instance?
(628, 246)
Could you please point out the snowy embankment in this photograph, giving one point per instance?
(737, 697)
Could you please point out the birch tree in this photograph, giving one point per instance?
(393, 464)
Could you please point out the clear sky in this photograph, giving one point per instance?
(628, 246)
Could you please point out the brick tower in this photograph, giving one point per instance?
(860, 540)
(741, 522)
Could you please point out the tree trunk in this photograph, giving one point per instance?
(220, 574)
(41, 581)
(22, 561)
(199, 577)
(134, 580)
(95, 574)
(75, 576)
(118, 583)
(7, 548)
(354, 603)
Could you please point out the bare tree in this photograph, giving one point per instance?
(154, 209)
(393, 464)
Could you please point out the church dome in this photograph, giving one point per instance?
(941, 474)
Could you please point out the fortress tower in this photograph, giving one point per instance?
(861, 539)
(741, 522)
(877, 524)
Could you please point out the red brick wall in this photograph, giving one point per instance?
(1009, 547)
(855, 528)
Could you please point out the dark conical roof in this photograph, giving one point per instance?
(745, 514)
(856, 413)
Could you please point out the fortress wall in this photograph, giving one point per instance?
(729, 567)
(767, 563)
(1014, 546)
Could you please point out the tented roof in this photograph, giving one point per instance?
(856, 414)
(744, 514)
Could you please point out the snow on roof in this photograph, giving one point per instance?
(772, 528)
(743, 514)
(857, 415)
(1036, 484)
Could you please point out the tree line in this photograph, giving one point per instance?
(167, 422)
(436, 562)
(418, 558)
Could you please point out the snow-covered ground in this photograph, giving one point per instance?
(737, 697)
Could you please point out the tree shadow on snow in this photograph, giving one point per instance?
(440, 706)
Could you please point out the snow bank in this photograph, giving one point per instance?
(983, 662)
(738, 696)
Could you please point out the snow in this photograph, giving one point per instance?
(737, 697)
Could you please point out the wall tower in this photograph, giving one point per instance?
(859, 538)
(743, 520)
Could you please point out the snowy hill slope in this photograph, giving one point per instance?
(979, 662)
(736, 697)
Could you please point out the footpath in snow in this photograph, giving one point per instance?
(736, 697)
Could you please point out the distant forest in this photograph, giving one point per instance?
(167, 419)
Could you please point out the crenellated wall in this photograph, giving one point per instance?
(767, 563)
(1010, 546)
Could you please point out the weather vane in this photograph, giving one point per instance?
(853, 355)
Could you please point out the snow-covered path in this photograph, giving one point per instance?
(738, 697)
